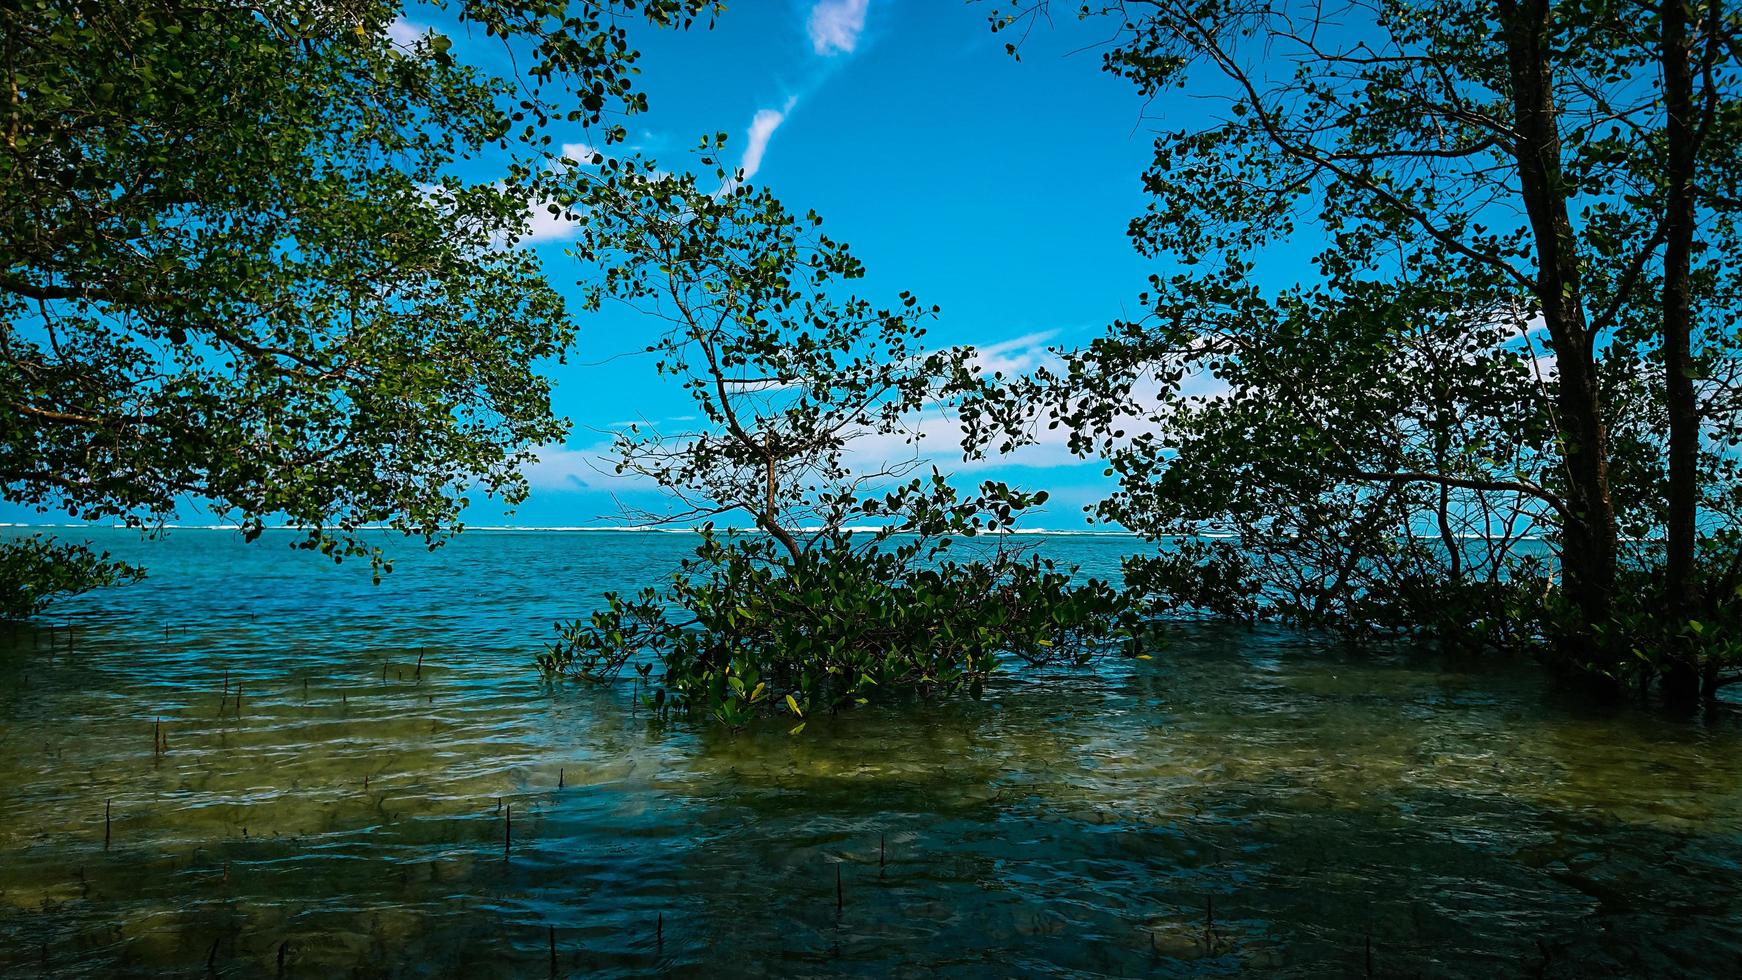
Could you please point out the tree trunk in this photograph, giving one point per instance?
(1684, 421)
(1682, 679)
(769, 512)
(1590, 532)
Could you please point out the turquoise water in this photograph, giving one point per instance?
(1248, 801)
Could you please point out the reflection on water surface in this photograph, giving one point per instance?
(1245, 802)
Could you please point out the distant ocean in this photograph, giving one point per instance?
(498, 588)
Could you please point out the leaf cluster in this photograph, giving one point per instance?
(37, 570)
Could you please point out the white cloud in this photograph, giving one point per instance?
(762, 129)
(537, 223)
(1018, 355)
(1544, 365)
(405, 33)
(939, 444)
(542, 226)
(835, 25)
(939, 429)
(581, 153)
(1049, 444)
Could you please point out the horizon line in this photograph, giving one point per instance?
(606, 528)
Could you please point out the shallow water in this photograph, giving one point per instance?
(1245, 802)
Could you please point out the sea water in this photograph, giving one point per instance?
(255, 760)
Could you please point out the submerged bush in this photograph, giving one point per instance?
(37, 570)
(746, 629)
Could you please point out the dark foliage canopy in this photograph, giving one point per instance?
(248, 259)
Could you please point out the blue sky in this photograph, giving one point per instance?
(998, 189)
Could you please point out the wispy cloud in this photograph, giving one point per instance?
(1018, 355)
(933, 435)
(835, 25)
(762, 128)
